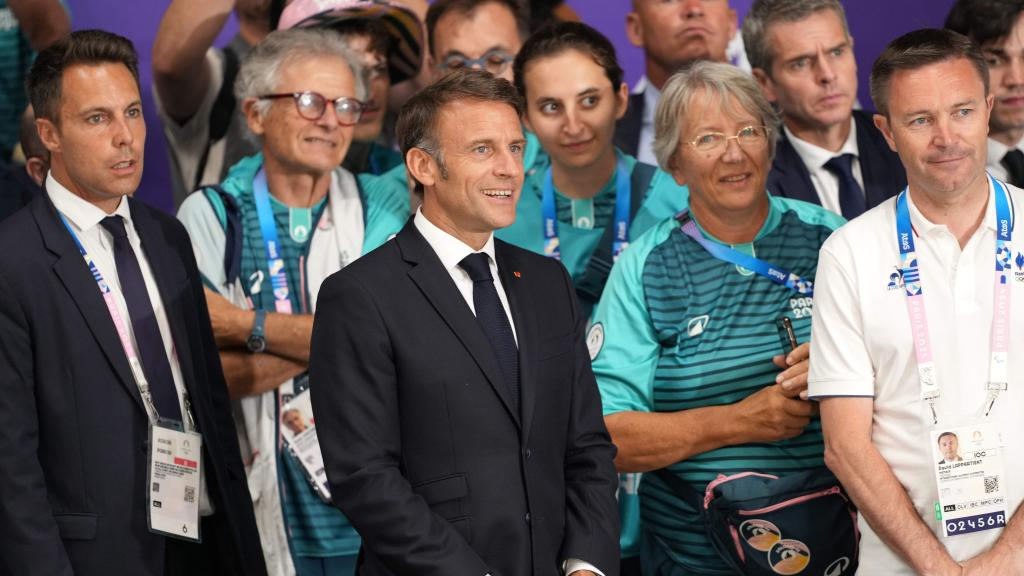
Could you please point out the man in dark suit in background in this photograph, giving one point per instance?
(97, 353)
(672, 34)
(459, 420)
(801, 53)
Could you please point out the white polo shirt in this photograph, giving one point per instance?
(863, 347)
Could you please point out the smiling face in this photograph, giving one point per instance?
(814, 76)
(572, 108)
(674, 32)
(490, 27)
(1006, 77)
(293, 143)
(482, 145)
(97, 145)
(940, 135)
(731, 178)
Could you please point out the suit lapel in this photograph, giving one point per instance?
(171, 282)
(521, 302)
(791, 177)
(73, 272)
(627, 129)
(437, 286)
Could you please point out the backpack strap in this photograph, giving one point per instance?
(222, 112)
(688, 493)
(232, 231)
(591, 284)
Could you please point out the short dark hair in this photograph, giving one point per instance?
(944, 434)
(466, 7)
(918, 49)
(561, 37)
(417, 120)
(379, 41)
(764, 13)
(84, 47)
(984, 21)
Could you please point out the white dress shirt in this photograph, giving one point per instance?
(825, 182)
(84, 219)
(451, 251)
(994, 164)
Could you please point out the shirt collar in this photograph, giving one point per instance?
(996, 150)
(81, 213)
(449, 249)
(924, 226)
(814, 156)
(651, 96)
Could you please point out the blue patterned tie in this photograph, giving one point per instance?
(147, 333)
(492, 318)
(851, 196)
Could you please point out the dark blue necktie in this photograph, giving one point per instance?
(1014, 163)
(492, 318)
(851, 196)
(147, 333)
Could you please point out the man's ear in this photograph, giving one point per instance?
(882, 123)
(765, 82)
(49, 134)
(36, 168)
(634, 29)
(421, 166)
(252, 116)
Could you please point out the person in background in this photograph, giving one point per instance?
(298, 90)
(26, 27)
(685, 345)
(828, 153)
(19, 184)
(389, 39)
(998, 27)
(587, 200)
(672, 35)
(108, 366)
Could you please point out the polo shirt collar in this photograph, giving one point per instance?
(924, 226)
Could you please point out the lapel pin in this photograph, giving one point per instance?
(517, 274)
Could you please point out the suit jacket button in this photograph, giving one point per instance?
(529, 453)
(527, 517)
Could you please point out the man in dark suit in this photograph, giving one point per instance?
(672, 35)
(801, 53)
(459, 420)
(100, 352)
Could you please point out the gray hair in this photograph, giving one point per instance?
(764, 13)
(260, 73)
(723, 81)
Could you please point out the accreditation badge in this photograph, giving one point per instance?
(971, 479)
(299, 432)
(175, 463)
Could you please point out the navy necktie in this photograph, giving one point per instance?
(1014, 163)
(492, 318)
(147, 333)
(851, 197)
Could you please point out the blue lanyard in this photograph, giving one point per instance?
(910, 266)
(623, 194)
(268, 228)
(770, 271)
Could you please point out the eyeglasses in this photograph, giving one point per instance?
(312, 105)
(747, 137)
(494, 61)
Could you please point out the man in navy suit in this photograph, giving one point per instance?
(801, 53)
(106, 341)
(459, 420)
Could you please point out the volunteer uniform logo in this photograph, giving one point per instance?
(697, 325)
(801, 307)
(838, 567)
(760, 534)
(1018, 268)
(595, 340)
(789, 557)
(896, 279)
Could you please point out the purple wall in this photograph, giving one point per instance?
(873, 24)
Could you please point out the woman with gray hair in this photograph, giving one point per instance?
(685, 340)
(265, 239)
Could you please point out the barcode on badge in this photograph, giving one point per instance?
(190, 494)
(991, 484)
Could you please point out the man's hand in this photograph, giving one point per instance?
(770, 414)
(795, 365)
(231, 324)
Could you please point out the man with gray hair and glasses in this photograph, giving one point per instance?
(265, 239)
(801, 53)
(917, 308)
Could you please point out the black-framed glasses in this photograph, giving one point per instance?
(312, 105)
(747, 137)
(494, 61)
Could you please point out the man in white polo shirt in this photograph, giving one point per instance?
(890, 387)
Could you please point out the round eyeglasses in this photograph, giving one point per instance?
(312, 105)
(494, 61)
(747, 137)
